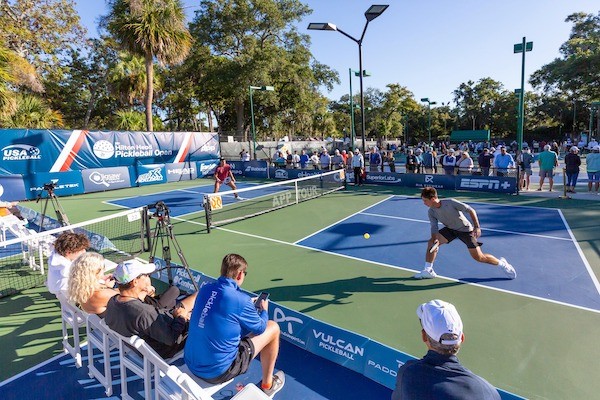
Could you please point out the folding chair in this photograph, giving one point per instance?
(132, 360)
(72, 318)
(101, 337)
(209, 388)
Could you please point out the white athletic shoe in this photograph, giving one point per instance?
(425, 274)
(508, 269)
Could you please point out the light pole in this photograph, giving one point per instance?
(352, 130)
(523, 47)
(429, 103)
(250, 89)
(373, 12)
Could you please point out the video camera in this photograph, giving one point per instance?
(161, 210)
(49, 186)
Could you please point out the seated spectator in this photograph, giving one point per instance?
(89, 286)
(164, 330)
(439, 375)
(67, 247)
(10, 207)
(227, 331)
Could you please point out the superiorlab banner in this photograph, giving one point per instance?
(27, 151)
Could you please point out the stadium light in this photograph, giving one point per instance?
(429, 103)
(523, 47)
(372, 12)
(250, 89)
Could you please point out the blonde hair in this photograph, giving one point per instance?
(83, 279)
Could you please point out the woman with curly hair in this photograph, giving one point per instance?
(88, 285)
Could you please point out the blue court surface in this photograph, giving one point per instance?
(307, 377)
(190, 200)
(536, 241)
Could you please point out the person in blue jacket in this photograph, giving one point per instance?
(227, 330)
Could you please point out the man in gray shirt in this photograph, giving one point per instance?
(451, 213)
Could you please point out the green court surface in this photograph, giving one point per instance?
(533, 348)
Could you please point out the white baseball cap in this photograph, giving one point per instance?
(596, 148)
(439, 317)
(131, 269)
(574, 148)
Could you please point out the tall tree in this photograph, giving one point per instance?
(153, 29)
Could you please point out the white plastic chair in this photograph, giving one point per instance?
(209, 388)
(101, 337)
(72, 318)
(251, 392)
(133, 361)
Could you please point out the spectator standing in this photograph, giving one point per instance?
(345, 157)
(67, 247)
(429, 161)
(227, 331)
(325, 161)
(358, 166)
(419, 155)
(289, 159)
(337, 162)
(391, 162)
(572, 163)
(593, 143)
(593, 169)
(411, 162)
(295, 160)
(304, 158)
(440, 375)
(375, 161)
(127, 313)
(485, 162)
(449, 162)
(547, 160)
(314, 160)
(465, 163)
(503, 161)
(244, 155)
(525, 159)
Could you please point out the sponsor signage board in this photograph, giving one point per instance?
(65, 183)
(294, 326)
(100, 179)
(480, 183)
(183, 171)
(207, 167)
(382, 363)
(12, 188)
(150, 174)
(256, 169)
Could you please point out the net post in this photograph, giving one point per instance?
(145, 229)
(297, 191)
(207, 213)
(564, 196)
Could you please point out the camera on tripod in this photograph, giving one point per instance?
(49, 186)
(161, 211)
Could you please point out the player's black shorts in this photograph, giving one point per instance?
(241, 363)
(466, 237)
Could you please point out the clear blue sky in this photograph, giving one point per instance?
(429, 46)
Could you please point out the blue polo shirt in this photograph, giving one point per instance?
(222, 315)
(436, 376)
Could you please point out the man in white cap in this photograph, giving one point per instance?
(439, 375)
(358, 166)
(127, 314)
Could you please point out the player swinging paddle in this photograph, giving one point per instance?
(450, 212)
(224, 175)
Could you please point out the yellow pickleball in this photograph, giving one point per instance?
(366, 236)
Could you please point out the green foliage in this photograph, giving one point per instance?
(134, 121)
(31, 112)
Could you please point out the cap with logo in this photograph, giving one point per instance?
(439, 317)
(131, 269)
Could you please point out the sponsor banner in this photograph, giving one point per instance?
(150, 174)
(181, 171)
(384, 178)
(295, 326)
(100, 179)
(337, 345)
(480, 183)
(25, 151)
(256, 169)
(237, 167)
(207, 167)
(12, 188)
(65, 183)
(433, 180)
(282, 173)
(181, 277)
(382, 363)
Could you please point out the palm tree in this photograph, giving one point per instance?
(153, 29)
(33, 113)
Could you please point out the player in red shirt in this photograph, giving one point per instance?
(223, 175)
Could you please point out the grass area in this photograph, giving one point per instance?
(534, 348)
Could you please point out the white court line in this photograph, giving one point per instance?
(403, 268)
(585, 262)
(342, 220)
(483, 229)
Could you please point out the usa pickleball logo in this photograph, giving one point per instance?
(19, 152)
(103, 149)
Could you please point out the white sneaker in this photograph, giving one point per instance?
(508, 269)
(425, 274)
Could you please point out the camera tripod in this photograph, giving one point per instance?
(61, 216)
(163, 233)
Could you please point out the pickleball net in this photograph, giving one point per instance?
(24, 253)
(223, 207)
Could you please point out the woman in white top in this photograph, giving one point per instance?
(465, 163)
